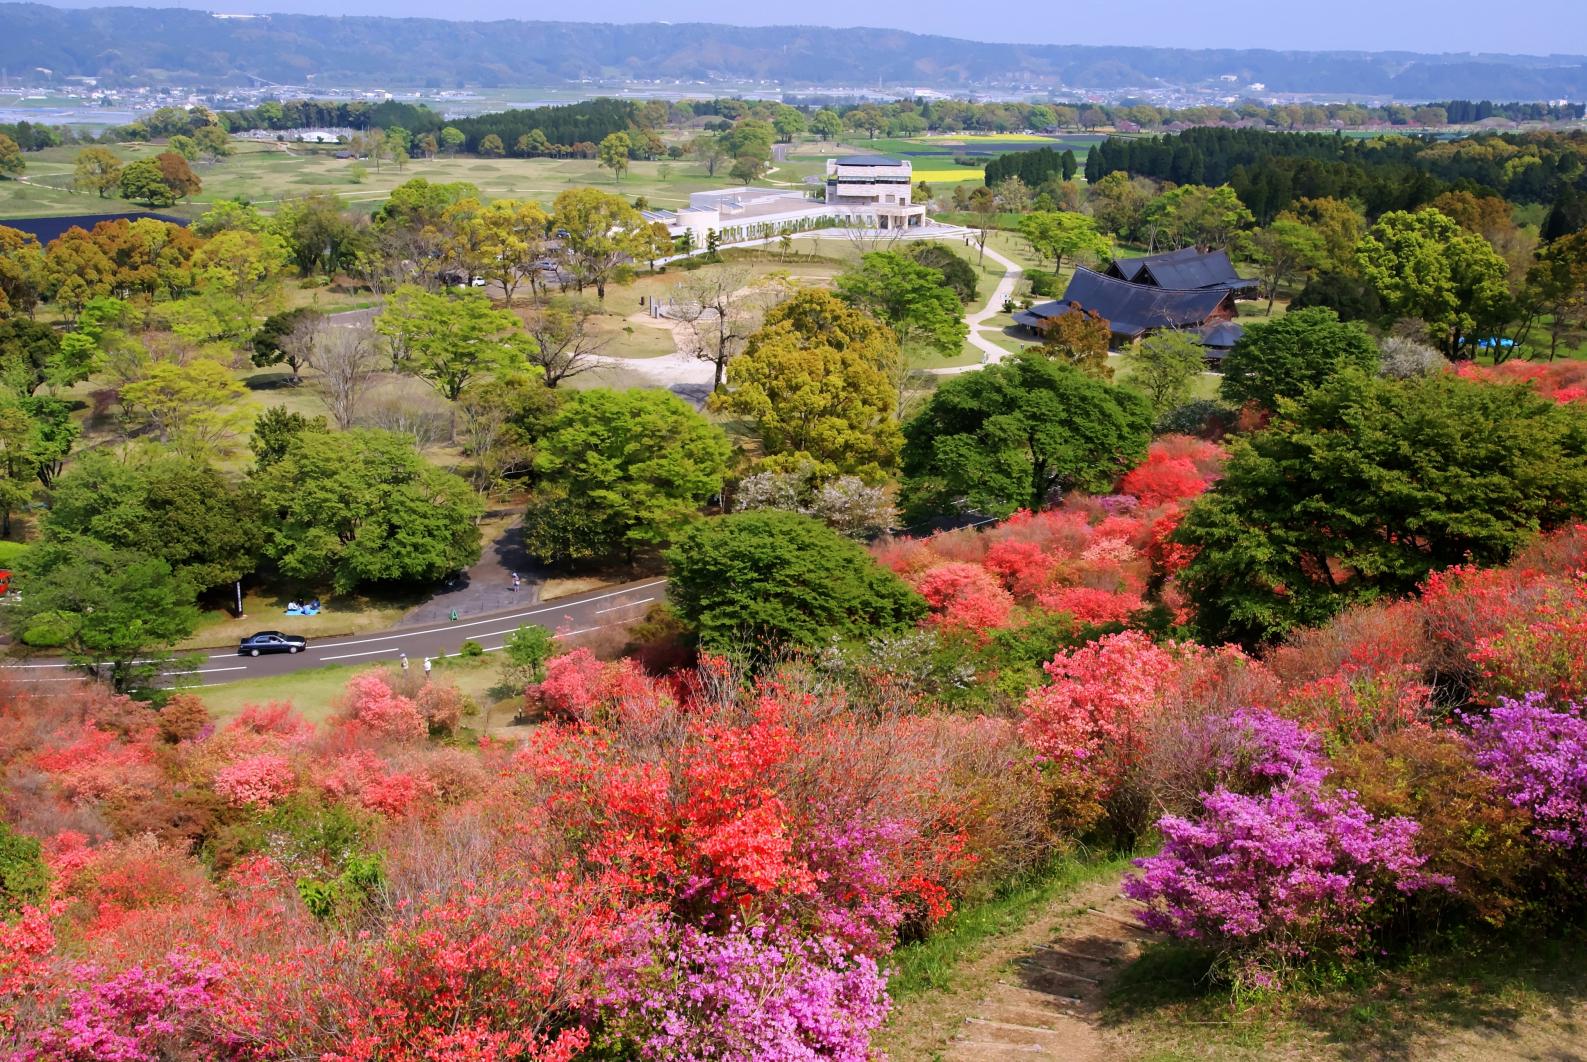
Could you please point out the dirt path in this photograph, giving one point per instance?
(1035, 993)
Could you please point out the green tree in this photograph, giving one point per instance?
(527, 649)
(1337, 223)
(26, 350)
(142, 182)
(1286, 250)
(97, 170)
(175, 508)
(491, 147)
(1362, 486)
(185, 146)
(115, 612)
(826, 124)
(287, 337)
(452, 139)
(956, 272)
(212, 141)
(747, 168)
(602, 231)
(194, 407)
(912, 299)
(621, 470)
(613, 153)
(361, 506)
(1289, 355)
(1060, 235)
(1164, 366)
(1424, 265)
(760, 580)
(1011, 435)
(447, 340)
(817, 381)
(12, 164)
(24, 876)
(274, 431)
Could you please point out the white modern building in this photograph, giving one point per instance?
(862, 191)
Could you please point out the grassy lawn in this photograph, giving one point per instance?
(263, 610)
(265, 174)
(1523, 999)
(315, 691)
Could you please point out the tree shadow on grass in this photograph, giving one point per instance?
(1522, 995)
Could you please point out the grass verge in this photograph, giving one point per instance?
(930, 964)
(1522, 997)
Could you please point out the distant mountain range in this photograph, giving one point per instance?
(179, 46)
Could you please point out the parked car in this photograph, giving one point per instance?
(271, 642)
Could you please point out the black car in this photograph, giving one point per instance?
(271, 642)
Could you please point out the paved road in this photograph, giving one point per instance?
(567, 617)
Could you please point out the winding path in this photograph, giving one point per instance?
(991, 353)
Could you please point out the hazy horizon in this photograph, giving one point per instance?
(1458, 26)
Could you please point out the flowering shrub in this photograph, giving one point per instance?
(1544, 650)
(259, 780)
(371, 704)
(1270, 879)
(1562, 381)
(139, 1013)
(965, 597)
(1538, 758)
(753, 992)
(1092, 716)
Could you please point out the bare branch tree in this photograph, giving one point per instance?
(347, 363)
(423, 418)
(720, 310)
(564, 344)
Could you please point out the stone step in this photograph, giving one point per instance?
(993, 1051)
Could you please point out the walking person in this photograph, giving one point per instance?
(403, 654)
(516, 582)
(426, 669)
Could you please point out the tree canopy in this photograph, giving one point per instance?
(1011, 435)
(621, 470)
(1363, 486)
(1292, 354)
(767, 579)
(818, 382)
(362, 506)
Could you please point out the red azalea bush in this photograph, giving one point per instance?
(1562, 381)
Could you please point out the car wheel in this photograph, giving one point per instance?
(293, 648)
(253, 652)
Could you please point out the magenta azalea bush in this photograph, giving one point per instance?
(1273, 878)
(138, 1015)
(1538, 758)
(758, 992)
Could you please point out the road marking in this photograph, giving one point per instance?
(560, 607)
(619, 608)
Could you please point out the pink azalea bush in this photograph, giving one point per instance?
(259, 780)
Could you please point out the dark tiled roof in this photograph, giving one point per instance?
(1222, 335)
(1132, 309)
(47, 229)
(1187, 267)
(868, 160)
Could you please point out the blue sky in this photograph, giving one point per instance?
(1527, 26)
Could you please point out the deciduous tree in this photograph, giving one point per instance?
(1010, 436)
(97, 170)
(1289, 355)
(621, 470)
(760, 580)
(602, 230)
(1362, 486)
(818, 381)
(361, 506)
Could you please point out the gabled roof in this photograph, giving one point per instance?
(1222, 335)
(1185, 268)
(1132, 309)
